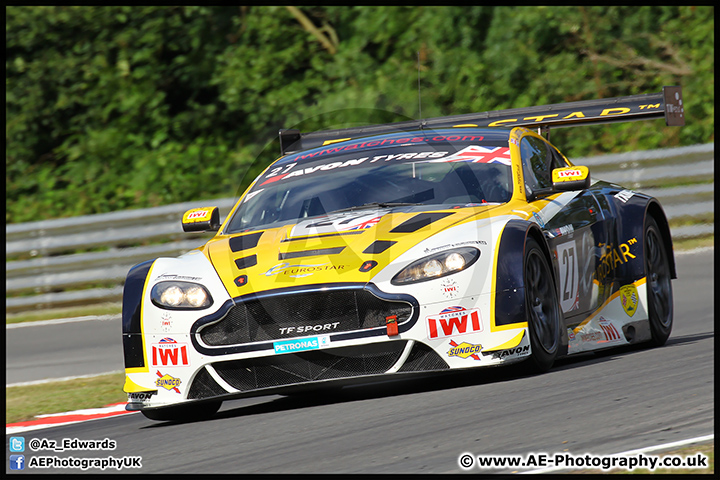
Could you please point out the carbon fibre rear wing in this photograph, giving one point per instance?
(667, 104)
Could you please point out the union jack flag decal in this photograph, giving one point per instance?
(363, 225)
(453, 309)
(478, 154)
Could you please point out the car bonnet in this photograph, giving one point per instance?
(346, 247)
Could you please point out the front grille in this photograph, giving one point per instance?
(302, 314)
(204, 386)
(423, 359)
(317, 365)
(296, 368)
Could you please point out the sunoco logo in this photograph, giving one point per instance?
(167, 382)
(464, 350)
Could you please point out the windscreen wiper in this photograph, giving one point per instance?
(375, 205)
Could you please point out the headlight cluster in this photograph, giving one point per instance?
(180, 295)
(438, 265)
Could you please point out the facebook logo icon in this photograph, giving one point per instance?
(17, 462)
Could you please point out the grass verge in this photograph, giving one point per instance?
(693, 243)
(99, 309)
(25, 402)
(686, 220)
(685, 452)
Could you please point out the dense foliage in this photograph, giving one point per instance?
(122, 107)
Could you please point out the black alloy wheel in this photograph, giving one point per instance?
(543, 308)
(659, 286)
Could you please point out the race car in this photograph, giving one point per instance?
(401, 249)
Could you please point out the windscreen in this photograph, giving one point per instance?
(439, 174)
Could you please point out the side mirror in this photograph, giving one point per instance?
(569, 179)
(201, 220)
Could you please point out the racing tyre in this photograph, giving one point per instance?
(543, 309)
(192, 412)
(659, 287)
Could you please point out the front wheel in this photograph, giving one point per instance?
(542, 307)
(659, 287)
(190, 412)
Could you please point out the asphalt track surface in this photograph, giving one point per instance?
(606, 403)
(58, 350)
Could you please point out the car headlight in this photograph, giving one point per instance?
(436, 266)
(180, 296)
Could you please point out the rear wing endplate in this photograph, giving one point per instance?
(667, 104)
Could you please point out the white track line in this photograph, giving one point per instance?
(59, 321)
(653, 448)
(694, 251)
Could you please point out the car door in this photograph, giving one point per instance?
(573, 224)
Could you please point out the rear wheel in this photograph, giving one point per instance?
(543, 309)
(659, 286)
(190, 412)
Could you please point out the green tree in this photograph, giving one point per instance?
(126, 107)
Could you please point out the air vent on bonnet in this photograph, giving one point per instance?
(246, 262)
(310, 253)
(379, 246)
(245, 242)
(419, 221)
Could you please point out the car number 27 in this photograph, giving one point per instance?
(567, 262)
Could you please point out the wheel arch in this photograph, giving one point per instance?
(655, 210)
(510, 270)
(131, 307)
(537, 234)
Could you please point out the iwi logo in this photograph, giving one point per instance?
(169, 353)
(455, 320)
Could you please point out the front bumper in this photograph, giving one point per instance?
(250, 346)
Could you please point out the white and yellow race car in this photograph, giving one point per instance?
(451, 243)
